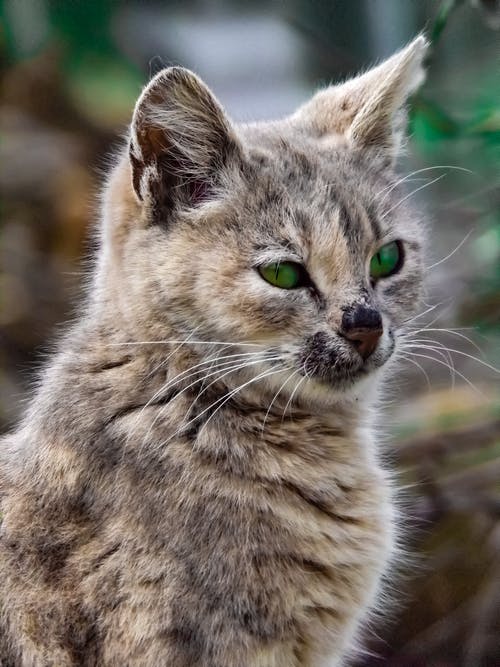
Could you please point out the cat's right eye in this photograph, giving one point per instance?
(386, 261)
(287, 275)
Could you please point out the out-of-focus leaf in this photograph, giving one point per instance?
(442, 18)
(487, 124)
(483, 309)
(487, 246)
(429, 123)
(104, 90)
(79, 23)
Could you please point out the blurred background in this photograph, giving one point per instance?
(70, 72)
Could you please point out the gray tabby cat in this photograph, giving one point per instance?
(197, 481)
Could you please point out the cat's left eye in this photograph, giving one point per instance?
(287, 275)
(387, 260)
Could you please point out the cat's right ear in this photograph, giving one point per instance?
(180, 142)
(369, 110)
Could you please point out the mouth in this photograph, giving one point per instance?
(336, 364)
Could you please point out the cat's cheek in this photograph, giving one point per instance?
(270, 318)
(280, 314)
(401, 298)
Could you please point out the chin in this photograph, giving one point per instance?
(354, 386)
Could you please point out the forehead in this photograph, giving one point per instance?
(324, 195)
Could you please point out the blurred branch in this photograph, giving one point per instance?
(439, 632)
(438, 444)
(441, 20)
(472, 479)
(485, 607)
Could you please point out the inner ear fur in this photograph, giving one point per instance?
(368, 110)
(180, 141)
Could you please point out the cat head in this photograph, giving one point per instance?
(292, 239)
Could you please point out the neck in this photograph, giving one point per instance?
(149, 395)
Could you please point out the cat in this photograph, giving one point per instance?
(197, 481)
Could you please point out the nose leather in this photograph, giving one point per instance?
(362, 326)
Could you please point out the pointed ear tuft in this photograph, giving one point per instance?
(180, 141)
(369, 109)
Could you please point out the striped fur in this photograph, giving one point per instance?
(164, 502)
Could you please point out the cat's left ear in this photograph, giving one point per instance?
(180, 142)
(369, 109)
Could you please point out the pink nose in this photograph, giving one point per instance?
(364, 340)
(362, 326)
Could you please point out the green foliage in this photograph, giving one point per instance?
(98, 77)
(442, 17)
(469, 135)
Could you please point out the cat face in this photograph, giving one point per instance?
(291, 239)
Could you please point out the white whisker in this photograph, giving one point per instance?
(185, 375)
(439, 361)
(419, 315)
(225, 370)
(420, 171)
(426, 185)
(169, 356)
(226, 397)
(238, 389)
(453, 332)
(304, 377)
(276, 396)
(228, 371)
(190, 372)
(191, 342)
(401, 355)
(409, 349)
(473, 358)
(432, 266)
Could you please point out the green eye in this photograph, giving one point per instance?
(286, 275)
(386, 261)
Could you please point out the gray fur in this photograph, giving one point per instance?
(156, 512)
